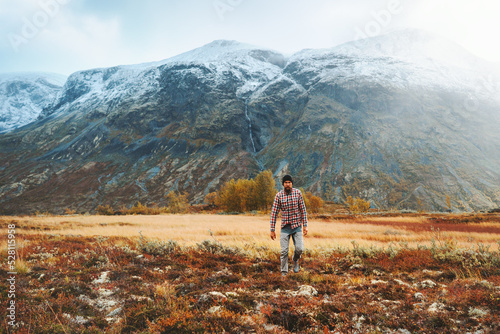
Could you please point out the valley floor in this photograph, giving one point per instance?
(219, 273)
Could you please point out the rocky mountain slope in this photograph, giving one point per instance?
(403, 120)
(24, 95)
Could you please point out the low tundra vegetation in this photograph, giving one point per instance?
(78, 284)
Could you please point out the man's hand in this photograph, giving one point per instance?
(273, 235)
(305, 231)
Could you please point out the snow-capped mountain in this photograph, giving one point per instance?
(414, 46)
(402, 119)
(220, 63)
(24, 95)
(405, 58)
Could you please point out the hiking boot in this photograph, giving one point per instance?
(296, 267)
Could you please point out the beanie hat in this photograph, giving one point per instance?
(286, 178)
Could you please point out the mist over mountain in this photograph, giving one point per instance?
(403, 120)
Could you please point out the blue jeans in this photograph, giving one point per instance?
(298, 242)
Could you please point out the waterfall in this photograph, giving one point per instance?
(249, 126)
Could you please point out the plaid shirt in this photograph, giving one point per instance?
(292, 207)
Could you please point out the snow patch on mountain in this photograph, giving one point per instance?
(24, 95)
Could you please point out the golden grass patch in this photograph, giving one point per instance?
(243, 230)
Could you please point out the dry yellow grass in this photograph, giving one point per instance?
(241, 230)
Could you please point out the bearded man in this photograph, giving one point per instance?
(290, 203)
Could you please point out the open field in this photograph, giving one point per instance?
(220, 273)
(239, 230)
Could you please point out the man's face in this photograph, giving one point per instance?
(287, 185)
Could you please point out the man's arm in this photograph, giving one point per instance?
(274, 215)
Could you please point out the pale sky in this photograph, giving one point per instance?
(64, 36)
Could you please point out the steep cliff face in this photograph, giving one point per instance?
(360, 119)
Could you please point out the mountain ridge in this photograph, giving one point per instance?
(344, 125)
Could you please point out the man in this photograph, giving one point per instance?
(293, 222)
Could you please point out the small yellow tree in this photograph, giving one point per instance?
(245, 190)
(420, 206)
(350, 203)
(304, 196)
(69, 212)
(246, 195)
(448, 202)
(105, 210)
(177, 202)
(229, 197)
(139, 209)
(212, 198)
(363, 206)
(315, 203)
(265, 189)
(357, 205)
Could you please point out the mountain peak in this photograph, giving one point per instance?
(412, 45)
(229, 44)
(218, 50)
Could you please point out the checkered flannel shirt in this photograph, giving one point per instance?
(292, 207)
